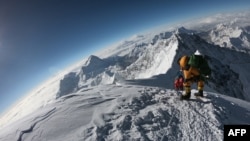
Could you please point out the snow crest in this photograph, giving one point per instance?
(130, 112)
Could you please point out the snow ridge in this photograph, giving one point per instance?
(143, 119)
(130, 112)
(32, 126)
(146, 60)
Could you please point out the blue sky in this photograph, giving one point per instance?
(37, 37)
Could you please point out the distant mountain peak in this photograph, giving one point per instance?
(183, 30)
(93, 59)
(226, 35)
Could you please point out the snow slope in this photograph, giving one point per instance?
(37, 98)
(129, 112)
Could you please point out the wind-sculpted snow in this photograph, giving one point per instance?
(34, 123)
(130, 112)
(157, 114)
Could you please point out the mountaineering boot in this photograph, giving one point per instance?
(185, 96)
(187, 93)
(200, 93)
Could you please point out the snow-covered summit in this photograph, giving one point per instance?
(93, 60)
(183, 30)
(130, 112)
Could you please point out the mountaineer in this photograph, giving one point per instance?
(195, 69)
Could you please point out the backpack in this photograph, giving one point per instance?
(200, 63)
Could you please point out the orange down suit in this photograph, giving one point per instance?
(189, 74)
